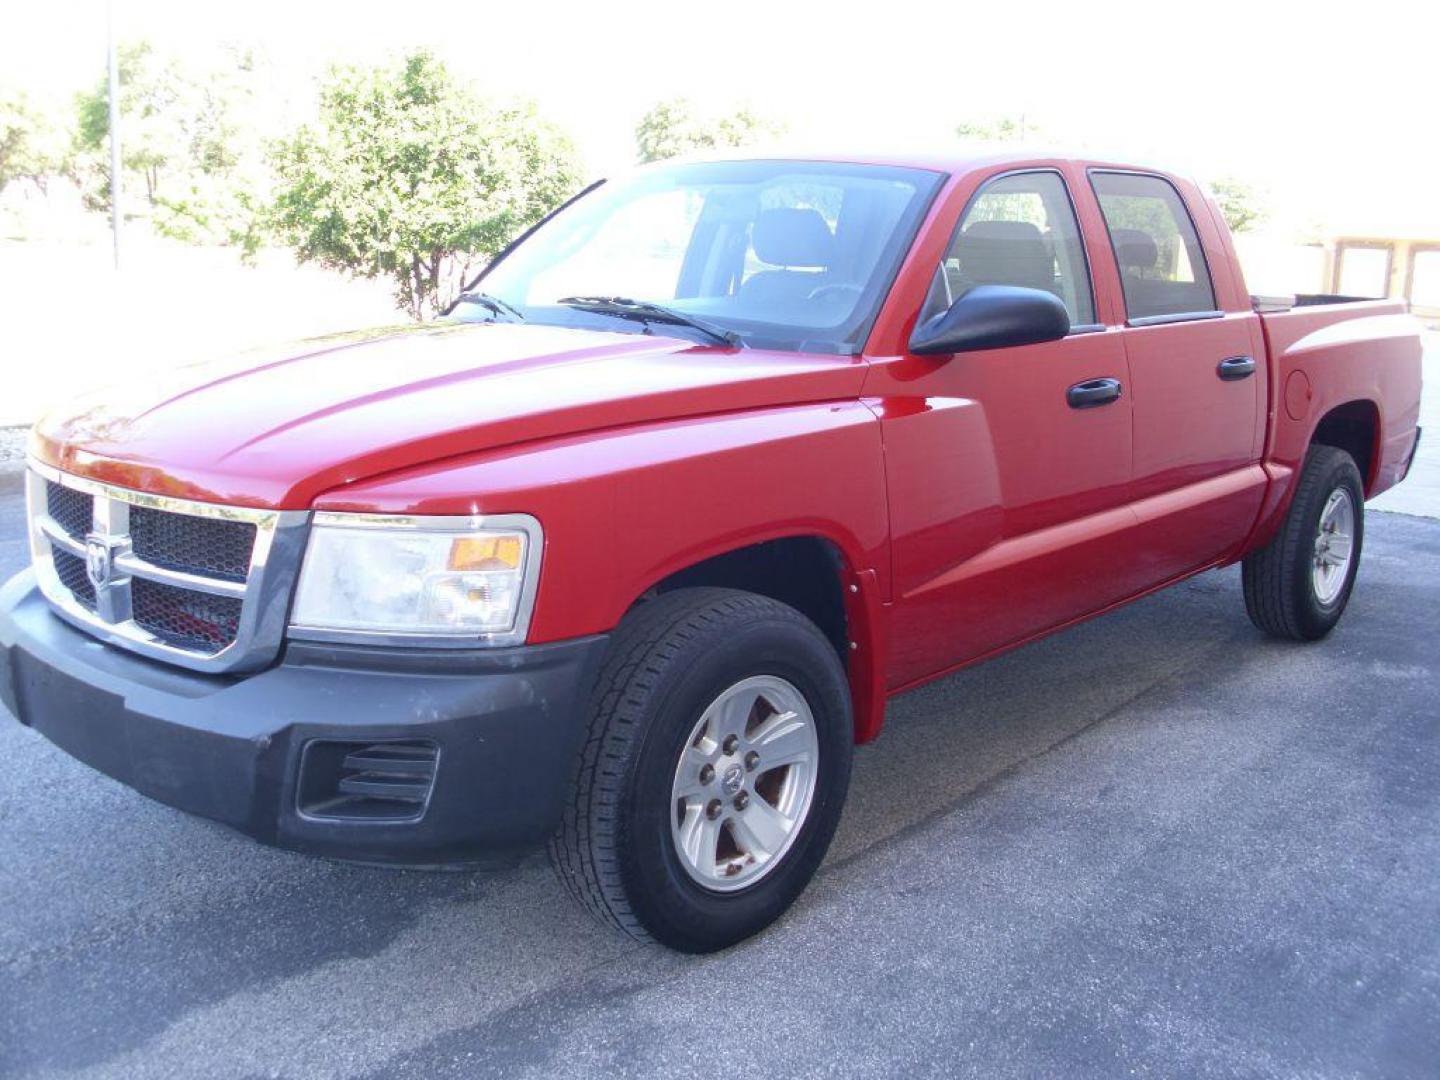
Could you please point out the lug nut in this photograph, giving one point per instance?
(731, 741)
(707, 773)
(712, 809)
(751, 760)
(742, 800)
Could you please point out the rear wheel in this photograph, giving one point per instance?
(1297, 586)
(714, 773)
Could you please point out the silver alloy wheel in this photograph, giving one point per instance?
(1334, 546)
(744, 783)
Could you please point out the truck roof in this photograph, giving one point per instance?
(964, 157)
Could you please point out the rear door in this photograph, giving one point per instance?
(1197, 382)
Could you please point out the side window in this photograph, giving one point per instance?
(1018, 230)
(1162, 267)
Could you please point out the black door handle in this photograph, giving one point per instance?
(1093, 392)
(1236, 367)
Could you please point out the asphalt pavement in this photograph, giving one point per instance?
(1157, 845)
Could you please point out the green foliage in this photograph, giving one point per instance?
(32, 144)
(1239, 203)
(1142, 213)
(150, 99)
(409, 175)
(1010, 206)
(999, 128)
(673, 128)
(1149, 215)
(186, 140)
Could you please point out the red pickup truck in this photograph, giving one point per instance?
(631, 552)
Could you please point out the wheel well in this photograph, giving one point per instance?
(802, 571)
(1353, 427)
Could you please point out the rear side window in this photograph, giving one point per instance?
(1162, 266)
(1019, 230)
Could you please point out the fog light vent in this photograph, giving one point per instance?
(373, 781)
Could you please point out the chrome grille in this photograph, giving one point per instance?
(193, 544)
(197, 584)
(71, 571)
(70, 509)
(186, 619)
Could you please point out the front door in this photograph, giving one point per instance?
(1007, 484)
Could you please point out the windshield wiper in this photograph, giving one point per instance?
(492, 304)
(644, 311)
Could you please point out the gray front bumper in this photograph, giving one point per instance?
(506, 723)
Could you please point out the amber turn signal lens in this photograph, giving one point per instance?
(486, 553)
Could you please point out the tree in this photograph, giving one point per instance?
(409, 175)
(999, 128)
(150, 94)
(1239, 203)
(186, 140)
(31, 143)
(674, 127)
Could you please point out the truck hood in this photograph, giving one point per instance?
(276, 430)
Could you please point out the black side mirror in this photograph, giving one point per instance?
(992, 317)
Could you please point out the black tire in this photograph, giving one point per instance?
(1280, 595)
(668, 660)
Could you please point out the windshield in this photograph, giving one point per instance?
(784, 254)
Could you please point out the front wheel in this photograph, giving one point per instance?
(714, 773)
(1297, 586)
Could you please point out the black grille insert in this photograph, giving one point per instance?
(70, 569)
(188, 620)
(388, 781)
(70, 509)
(210, 547)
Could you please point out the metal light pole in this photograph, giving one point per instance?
(114, 73)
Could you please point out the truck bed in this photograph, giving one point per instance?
(1326, 351)
(1266, 305)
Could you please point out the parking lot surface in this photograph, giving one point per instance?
(1159, 844)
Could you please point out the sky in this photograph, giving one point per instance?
(1330, 109)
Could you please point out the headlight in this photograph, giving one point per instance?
(446, 580)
